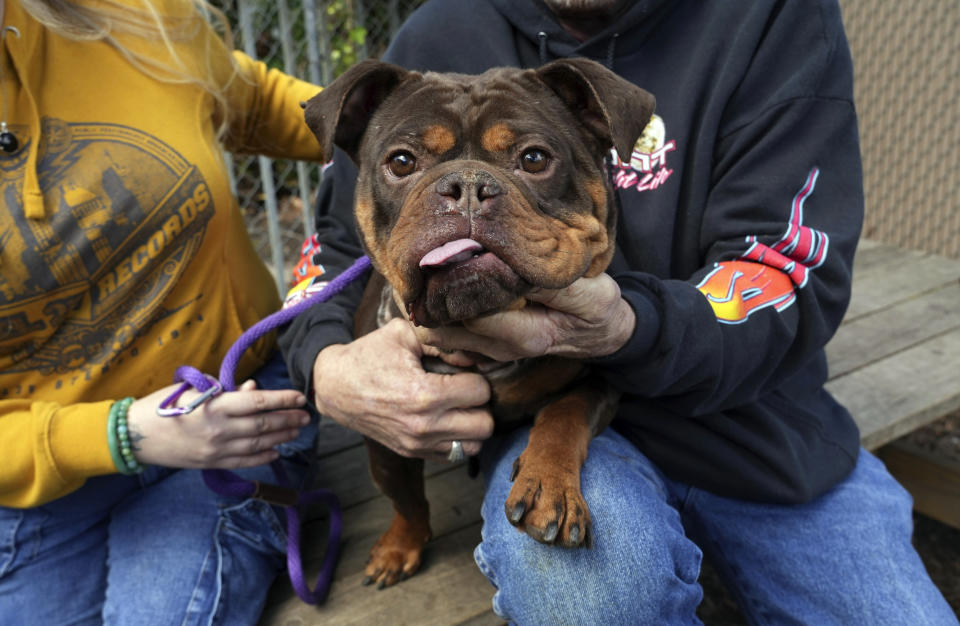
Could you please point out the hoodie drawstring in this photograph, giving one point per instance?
(611, 49)
(542, 36)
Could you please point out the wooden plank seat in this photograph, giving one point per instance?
(895, 363)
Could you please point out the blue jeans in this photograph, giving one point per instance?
(156, 548)
(844, 558)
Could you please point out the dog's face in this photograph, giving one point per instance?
(474, 189)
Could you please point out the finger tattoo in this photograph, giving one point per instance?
(135, 437)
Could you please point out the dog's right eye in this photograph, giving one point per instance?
(402, 163)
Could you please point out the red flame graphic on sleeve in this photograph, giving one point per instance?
(768, 275)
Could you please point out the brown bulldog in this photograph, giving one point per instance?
(473, 190)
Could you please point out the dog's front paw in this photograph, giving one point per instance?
(546, 503)
(396, 555)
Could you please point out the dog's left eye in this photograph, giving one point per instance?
(402, 163)
(534, 160)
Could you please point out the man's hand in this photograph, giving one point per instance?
(377, 386)
(586, 319)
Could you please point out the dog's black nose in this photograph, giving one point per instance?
(465, 185)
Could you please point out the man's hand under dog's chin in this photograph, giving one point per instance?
(588, 319)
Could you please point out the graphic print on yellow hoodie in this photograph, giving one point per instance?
(123, 253)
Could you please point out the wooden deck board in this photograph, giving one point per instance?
(917, 319)
(894, 364)
(902, 392)
(894, 361)
(449, 589)
(933, 480)
(897, 272)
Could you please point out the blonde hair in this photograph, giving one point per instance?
(111, 21)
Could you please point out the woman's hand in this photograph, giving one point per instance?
(587, 319)
(232, 430)
(377, 386)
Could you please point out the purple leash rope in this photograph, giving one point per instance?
(227, 483)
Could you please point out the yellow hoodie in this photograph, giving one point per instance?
(123, 253)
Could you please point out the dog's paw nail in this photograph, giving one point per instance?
(588, 541)
(575, 533)
(551, 533)
(382, 585)
(515, 470)
(517, 512)
(366, 582)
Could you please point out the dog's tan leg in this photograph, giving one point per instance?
(396, 555)
(545, 500)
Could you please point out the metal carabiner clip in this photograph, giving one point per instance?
(166, 410)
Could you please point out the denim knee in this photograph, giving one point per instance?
(52, 557)
(843, 558)
(212, 560)
(641, 568)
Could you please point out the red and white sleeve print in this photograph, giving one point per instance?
(768, 276)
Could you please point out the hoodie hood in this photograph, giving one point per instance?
(626, 34)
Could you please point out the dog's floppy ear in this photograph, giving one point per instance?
(340, 113)
(614, 109)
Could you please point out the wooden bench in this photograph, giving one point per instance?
(895, 363)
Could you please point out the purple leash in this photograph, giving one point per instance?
(227, 483)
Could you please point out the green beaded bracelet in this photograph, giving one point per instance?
(112, 443)
(118, 436)
(123, 434)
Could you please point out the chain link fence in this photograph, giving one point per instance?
(907, 70)
(315, 40)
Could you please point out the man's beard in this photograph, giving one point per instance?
(582, 8)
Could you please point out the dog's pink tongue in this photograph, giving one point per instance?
(451, 252)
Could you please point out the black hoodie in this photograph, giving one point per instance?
(741, 209)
